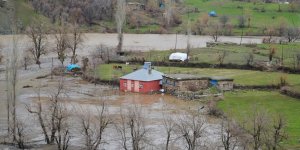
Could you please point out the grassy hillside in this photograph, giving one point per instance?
(262, 15)
(24, 13)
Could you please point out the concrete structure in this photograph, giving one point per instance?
(185, 82)
(142, 81)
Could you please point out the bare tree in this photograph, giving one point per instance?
(74, 41)
(12, 83)
(61, 41)
(169, 126)
(37, 32)
(26, 60)
(190, 127)
(229, 134)
(121, 127)
(120, 20)
(272, 52)
(61, 124)
(168, 12)
(85, 62)
(221, 57)
(276, 134)
(131, 128)
(38, 111)
(48, 117)
(256, 125)
(137, 127)
(214, 30)
(189, 32)
(93, 127)
(20, 134)
(292, 34)
(249, 57)
(102, 54)
(270, 32)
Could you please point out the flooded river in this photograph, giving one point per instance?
(81, 94)
(138, 42)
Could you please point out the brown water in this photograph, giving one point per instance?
(87, 96)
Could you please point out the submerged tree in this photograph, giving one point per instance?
(74, 41)
(189, 32)
(37, 33)
(61, 41)
(132, 123)
(93, 126)
(120, 20)
(191, 128)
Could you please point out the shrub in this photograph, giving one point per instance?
(213, 110)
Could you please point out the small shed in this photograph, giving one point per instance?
(184, 82)
(178, 56)
(173, 83)
(144, 80)
(212, 14)
(222, 83)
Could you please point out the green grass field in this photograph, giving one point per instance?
(235, 54)
(258, 19)
(233, 9)
(240, 104)
(243, 77)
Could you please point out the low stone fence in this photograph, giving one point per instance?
(188, 95)
(208, 65)
(288, 91)
(94, 80)
(256, 87)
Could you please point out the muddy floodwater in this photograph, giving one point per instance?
(87, 96)
(137, 42)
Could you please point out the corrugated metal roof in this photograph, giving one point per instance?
(144, 75)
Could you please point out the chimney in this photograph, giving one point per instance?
(147, 66)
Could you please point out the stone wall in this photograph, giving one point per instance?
(193, 85)
(172, 86)
(225, 85)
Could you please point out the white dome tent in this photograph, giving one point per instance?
(178, 56)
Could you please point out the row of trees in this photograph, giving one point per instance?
(68, 38)
(65, 39)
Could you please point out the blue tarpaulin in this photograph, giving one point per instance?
(71, 67)
(212, 14)
(213, 82)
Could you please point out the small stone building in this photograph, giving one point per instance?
(186, 82)
(223, 83)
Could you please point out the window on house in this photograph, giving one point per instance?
(132, 85)
(125, 84)
(141, 86)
